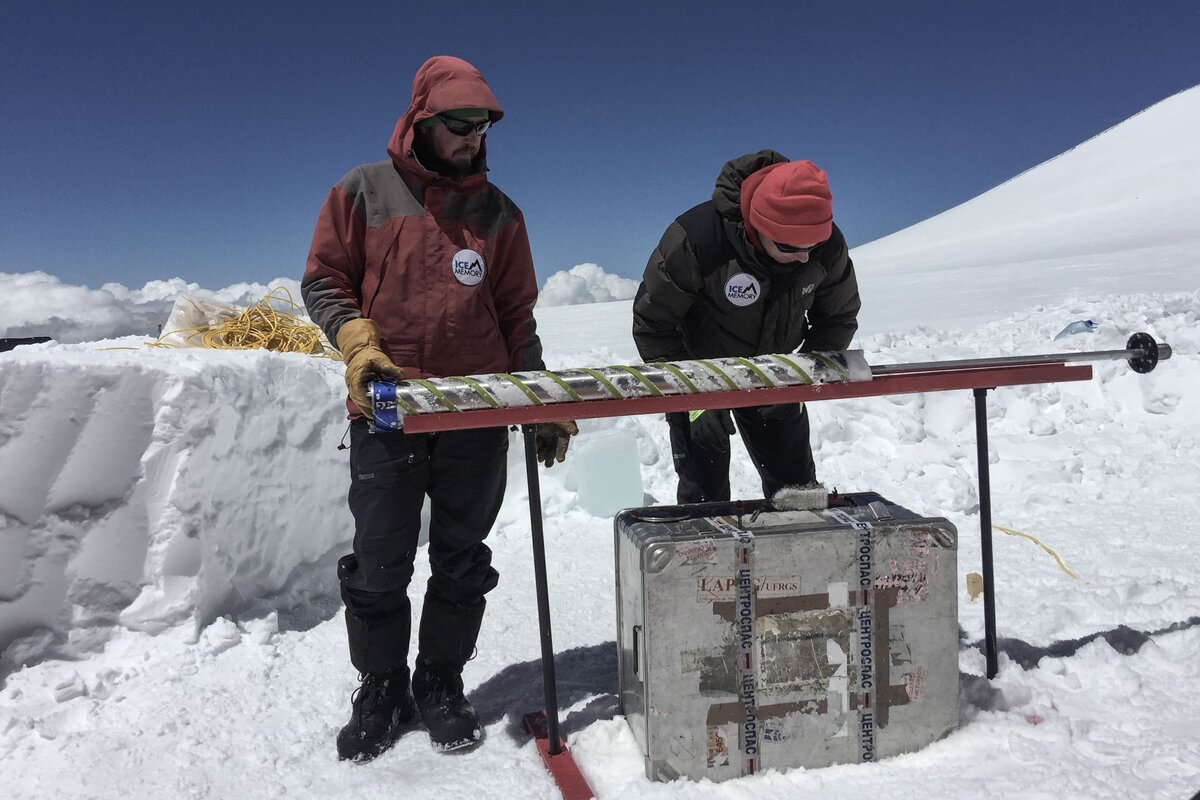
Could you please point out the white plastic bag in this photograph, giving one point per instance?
(190, 318)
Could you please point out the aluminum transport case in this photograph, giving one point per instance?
(751, 638)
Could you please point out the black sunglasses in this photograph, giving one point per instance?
(462, 127)
(791, 248)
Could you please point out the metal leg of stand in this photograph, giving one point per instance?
(985, 534)
(543, 595)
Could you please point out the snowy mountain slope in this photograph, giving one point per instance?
(1120, 213)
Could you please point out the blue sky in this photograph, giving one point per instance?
(152, 140)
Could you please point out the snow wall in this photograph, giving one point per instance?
(144, 486)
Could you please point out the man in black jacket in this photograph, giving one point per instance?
(759, 269)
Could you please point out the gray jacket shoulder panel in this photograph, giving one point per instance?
(379, 193)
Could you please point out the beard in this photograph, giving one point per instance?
(463, 161)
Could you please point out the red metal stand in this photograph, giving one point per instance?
(557, 759)
(543, 725)
(979, 376)
(900, 382)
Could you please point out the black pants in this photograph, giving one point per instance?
(775, 436)
(464, 474)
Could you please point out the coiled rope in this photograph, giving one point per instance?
(261, 326)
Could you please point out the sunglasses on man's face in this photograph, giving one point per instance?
(462, 127)
(791, 248)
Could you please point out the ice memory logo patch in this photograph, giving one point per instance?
(468, 267)
(742, 289)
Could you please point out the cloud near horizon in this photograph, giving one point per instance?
(585, 283)
(40, 304)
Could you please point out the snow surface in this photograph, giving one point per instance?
(169, 619)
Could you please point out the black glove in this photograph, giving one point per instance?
(712, 429)
(780, 413)
(552, 439)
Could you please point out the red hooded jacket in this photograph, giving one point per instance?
(441, 264)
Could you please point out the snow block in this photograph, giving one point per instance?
(145, 486)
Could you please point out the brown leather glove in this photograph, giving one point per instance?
(552, 439)
(358, 340)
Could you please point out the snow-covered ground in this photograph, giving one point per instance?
(168, 521)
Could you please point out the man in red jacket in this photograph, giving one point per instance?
(420, 267)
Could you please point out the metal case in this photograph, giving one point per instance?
(825, 636)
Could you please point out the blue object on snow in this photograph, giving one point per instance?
(1079, 326)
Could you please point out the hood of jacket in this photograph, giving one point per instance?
(443, 83)
(727, 197)
(729, 202)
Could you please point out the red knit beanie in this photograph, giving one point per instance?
(789, 203)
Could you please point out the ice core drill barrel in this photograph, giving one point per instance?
(544, 395)
(393, 401)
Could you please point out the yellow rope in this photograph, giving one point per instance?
(261, 326)
(1061, 565)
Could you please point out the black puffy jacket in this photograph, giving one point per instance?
(707, 292)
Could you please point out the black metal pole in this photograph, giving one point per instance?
(543, 594)
(1145, 348)
(985, 534)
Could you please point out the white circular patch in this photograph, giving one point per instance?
(468, 267)
(742, 289)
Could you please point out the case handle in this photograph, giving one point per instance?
(637, 651)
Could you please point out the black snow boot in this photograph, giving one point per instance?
(448, 715)
(383, 706)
